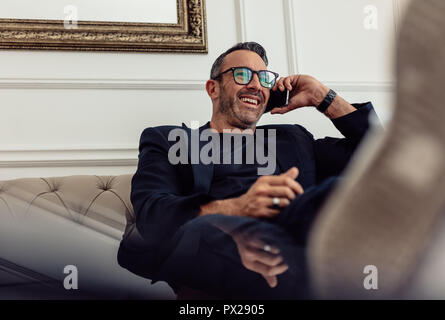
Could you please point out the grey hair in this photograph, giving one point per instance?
(251, 46)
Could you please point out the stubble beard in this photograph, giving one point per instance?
(228, 108)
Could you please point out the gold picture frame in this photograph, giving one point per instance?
(187, 35)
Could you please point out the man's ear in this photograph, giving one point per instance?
(212, 87)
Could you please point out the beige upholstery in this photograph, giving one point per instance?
(49, 223)
(99, 202)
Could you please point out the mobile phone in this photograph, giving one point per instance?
(277, 99)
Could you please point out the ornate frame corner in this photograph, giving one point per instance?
(189, 35)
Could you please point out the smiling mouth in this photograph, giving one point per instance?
(250, 101)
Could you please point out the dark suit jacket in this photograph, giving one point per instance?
(166, 196)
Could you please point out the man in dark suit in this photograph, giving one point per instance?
(219, 227)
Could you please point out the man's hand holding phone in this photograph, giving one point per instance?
(304, 91)
(277, 99)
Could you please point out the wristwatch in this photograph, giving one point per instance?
(324, 105)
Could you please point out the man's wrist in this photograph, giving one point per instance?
(339, 108)
(319, 95)
(330, 104)
(327, 101)
(227, 207)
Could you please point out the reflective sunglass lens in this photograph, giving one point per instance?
(242, 75)
(267, 79)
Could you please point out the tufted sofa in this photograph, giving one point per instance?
(47, 224)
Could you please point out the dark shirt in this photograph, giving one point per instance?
(233, 178)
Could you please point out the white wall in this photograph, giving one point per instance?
(69, 113)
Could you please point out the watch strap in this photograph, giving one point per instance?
(327, 101)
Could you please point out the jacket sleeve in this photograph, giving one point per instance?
(333, 154)
(161, 199)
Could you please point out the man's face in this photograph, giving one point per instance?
(242, 105)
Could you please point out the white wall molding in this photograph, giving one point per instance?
(172, 85)
(240, 10)
(98, 84)
(294, 56)
(68, 158)
(360, 86)
(291, 45)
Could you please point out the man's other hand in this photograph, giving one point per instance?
(257, 202)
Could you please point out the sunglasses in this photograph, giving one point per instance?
(243, 76)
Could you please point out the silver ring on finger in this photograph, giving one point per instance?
(267, 248)
(276, 202)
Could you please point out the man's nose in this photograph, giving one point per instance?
(254, 84)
